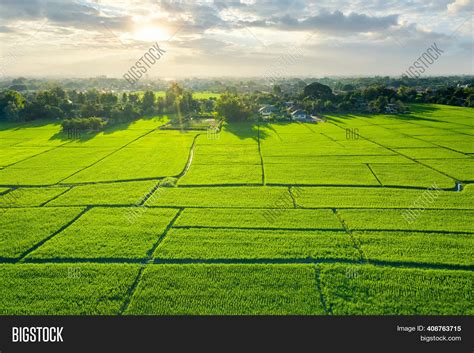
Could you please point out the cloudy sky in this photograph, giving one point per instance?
(84, 38)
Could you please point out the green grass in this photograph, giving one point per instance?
(105, 194)
(371, 290)
(432, 248)
(255, 244)
(426, 220)
(25, 227)
(108, 233)
(64, 289)
(226, 289)
(280, 217)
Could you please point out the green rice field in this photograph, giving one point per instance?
(260, 219)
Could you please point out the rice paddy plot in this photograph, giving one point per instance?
(371, 290)
(218, 244)
(414, 175)
(461, 169)
(402, 142)
(117, 136)
(302, 151)
(279, 217)
(35, 196)
(64, 289)
(65, 157)
(203, 174)
(361, 197)
(418, 131)
(13, 154)
(431, 153)
(284, 128)
(230, 197)
(415, 247)
(347, 160)
(120, 233)
(226, 289)
(23, 228)
(44, 175)
(32, 135)
(287, 138)
(222, 155)
(245, 133)
(135, 163)
(460, 143)
(441, 112)
(330, 174)
(124, 193)
(163, 140)
(409, 219)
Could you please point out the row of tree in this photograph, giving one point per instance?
(57, 103)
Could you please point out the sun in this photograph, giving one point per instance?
(150, 34)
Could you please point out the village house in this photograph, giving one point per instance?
(299, 115)
(267, 110)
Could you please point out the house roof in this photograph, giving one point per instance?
(299, 112)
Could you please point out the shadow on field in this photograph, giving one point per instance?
(19, 125)
(416, 112)
(244, 130)
(84, 136)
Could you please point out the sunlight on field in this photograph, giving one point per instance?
(244, 223)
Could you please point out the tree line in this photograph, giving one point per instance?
(58, 103)
(315, 98)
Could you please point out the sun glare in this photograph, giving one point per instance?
(151, 34)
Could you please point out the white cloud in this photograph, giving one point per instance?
(214, 37)
(460, 5)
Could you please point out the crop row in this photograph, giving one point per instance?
(127, 193)
(205, 244)
(252, 289)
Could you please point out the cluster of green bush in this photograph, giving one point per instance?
(83, 124)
